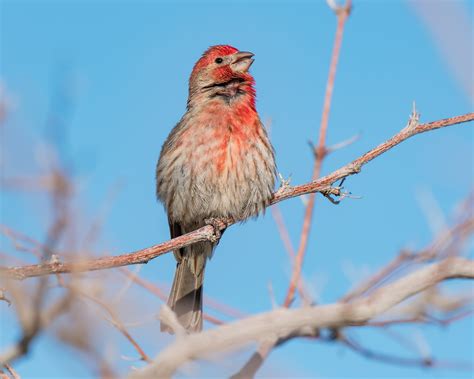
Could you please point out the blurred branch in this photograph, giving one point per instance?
(451, 28)
(285, 322)
(283, 230)
(403, 361)
(423, 319)
(462, 230)
(320, 151)
(33, 317)
(113, 318)
(22, 242)
(37, 322)
(207, 233)
(3, 297)
(155, 290)
(11, 371)
(446, 244)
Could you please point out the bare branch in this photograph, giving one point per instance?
(284, 322)
(355, 166)
(3, 297)
(33, 328)
(462, 229)
(137, 257)
(12, 371)
(404, 361)
(320, 152)
(206, 233)
(113, 318)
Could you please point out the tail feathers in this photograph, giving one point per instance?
(186, 293)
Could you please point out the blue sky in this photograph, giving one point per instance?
(127, 64)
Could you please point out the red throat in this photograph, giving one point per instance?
(239, 128)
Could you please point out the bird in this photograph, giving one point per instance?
(216, 163)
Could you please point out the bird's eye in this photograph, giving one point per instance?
(219, 60)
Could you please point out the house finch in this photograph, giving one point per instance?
(217, 162)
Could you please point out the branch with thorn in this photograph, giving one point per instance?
(207, 233)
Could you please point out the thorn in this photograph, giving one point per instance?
(349, 195)
(3, 297)
(272, 296)
(131, 359)
(284, 183)
(414, 119)
(54, 259)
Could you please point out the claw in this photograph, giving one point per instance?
(216, 224)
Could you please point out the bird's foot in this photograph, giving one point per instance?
(218, 225)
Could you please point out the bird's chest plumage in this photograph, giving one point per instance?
(223, 140)
(221, 165)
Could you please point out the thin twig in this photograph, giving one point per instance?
(12, 371)
(403, 361)
(162, 296)
(283, 230)
(113, 319)
(320, 152)
(462, 229)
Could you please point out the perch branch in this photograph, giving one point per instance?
(322, 185)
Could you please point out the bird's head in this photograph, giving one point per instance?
(221, 67)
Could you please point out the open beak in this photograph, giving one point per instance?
(241, 61)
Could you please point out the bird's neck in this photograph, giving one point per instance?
(219, 111)
(235, 93)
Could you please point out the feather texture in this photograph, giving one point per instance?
(216, 162)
